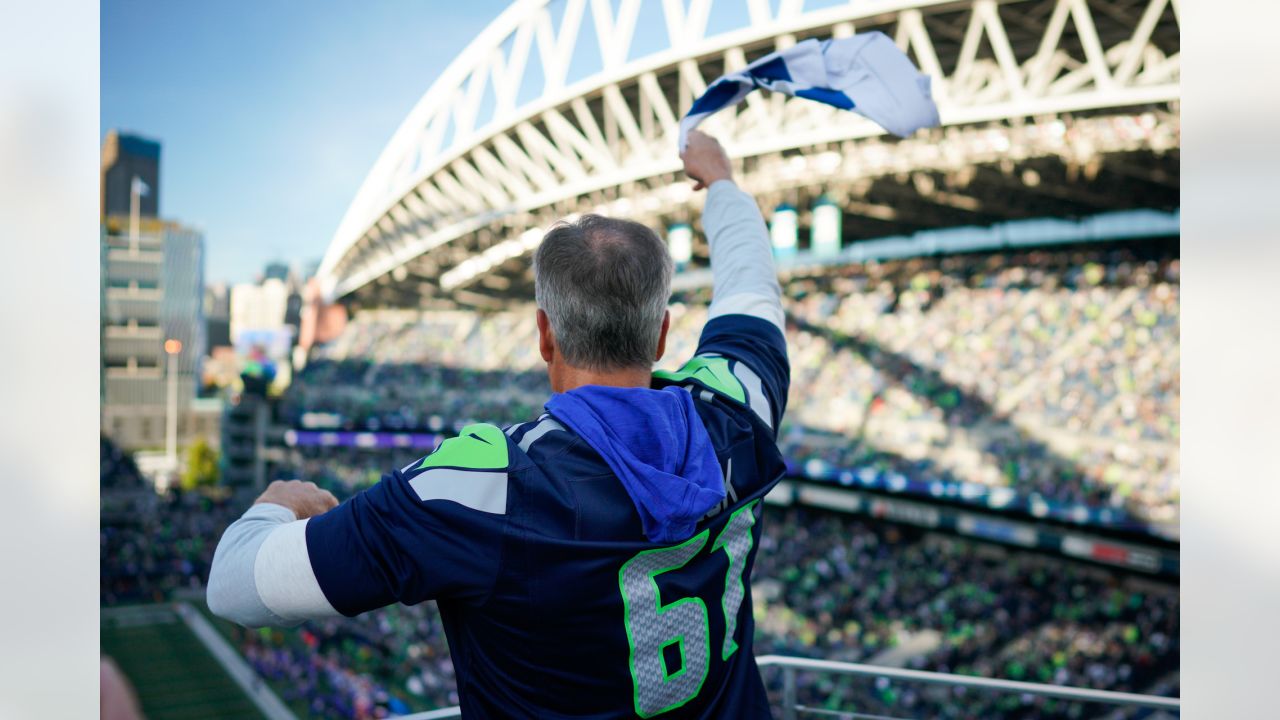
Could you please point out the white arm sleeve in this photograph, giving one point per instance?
(745, 280)
(261, 573)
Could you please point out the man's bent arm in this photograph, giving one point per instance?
(261, 573)
(297, 555)
(745, 280)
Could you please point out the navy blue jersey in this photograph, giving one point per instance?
(554, 603)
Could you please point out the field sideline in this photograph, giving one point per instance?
(174, 673)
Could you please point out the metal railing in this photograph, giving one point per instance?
(790, 666)
(441, 714)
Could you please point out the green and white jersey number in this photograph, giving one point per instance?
(657, 632)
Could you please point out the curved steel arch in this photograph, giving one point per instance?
(446, 174)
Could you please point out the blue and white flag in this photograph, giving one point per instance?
(865, 73)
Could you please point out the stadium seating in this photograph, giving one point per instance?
(825, 585)
(836, 588)
(1054, 374)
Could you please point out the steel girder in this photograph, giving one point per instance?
(484, 160)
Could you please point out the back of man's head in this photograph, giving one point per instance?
(604, 285)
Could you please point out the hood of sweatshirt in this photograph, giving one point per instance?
(656, 444)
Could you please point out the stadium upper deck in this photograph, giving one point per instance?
(1050, 109)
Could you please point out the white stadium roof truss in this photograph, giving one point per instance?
(507, 137)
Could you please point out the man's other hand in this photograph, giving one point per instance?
(303, 498)
(705, 161)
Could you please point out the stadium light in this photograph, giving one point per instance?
(783, 230)
(680, 242)
(826, 227)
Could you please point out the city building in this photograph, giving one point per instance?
(276, 270)
(258, 309)
(217, 313)
(152, 292)
(253, 433)
(266, 318)
(126, 156)
(293, 311)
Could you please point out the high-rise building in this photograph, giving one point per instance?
(152, 291)
(258, 310)
(126, 156)
(217, 312)
(259, 323)
(276, 270)
(253, 440)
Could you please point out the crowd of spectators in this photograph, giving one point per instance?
(150, 549)
(390, 662)
(835, 587)
(144, 560)
(1055, 373)
(825, 585)
(117, 469)
(379, 665)
(412, 394)
(1052, 373)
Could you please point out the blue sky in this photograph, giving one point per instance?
(271, 113)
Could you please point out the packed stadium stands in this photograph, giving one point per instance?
(147, 556)
(1051, 373)
(825, 585)
(387, 663)
(837, 588)
(1054, 373)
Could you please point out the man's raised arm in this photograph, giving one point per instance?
(745, 280)
(745, 323)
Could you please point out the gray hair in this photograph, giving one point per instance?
(604, 284)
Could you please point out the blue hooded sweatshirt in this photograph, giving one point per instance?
(656, 444)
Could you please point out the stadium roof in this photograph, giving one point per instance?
(1050, 109)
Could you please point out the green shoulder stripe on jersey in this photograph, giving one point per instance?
(710, 371)
(478, 447)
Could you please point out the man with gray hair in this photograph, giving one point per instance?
(595, 562)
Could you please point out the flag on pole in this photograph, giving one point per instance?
(139, 187)
(865, 73)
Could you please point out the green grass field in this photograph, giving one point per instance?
(173, 673)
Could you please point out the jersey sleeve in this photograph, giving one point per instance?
(431, 530)
(745, 358)
(742, 353)
(744, 276)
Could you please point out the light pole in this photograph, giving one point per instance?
(172, 348)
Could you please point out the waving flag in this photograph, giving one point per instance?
(865, 73)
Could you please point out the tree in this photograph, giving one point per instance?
(202, 466)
